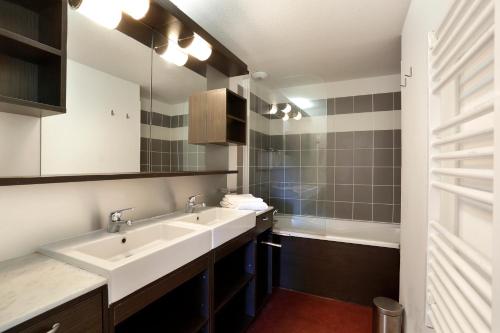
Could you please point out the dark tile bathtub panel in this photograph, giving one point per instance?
(349, 272)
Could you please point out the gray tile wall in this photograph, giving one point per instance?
(169, 155)
(348, 175)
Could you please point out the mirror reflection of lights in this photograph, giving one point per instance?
(287, 109)
(274, 109)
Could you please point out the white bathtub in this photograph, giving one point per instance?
(355, 232)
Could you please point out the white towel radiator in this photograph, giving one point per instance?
(464, 205)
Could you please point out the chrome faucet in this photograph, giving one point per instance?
(191, 204)
(115, 220)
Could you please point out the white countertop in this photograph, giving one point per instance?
(264, 211)
(34, 284)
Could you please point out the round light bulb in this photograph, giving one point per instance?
(174, 54)
(285, 117)
(298, 116)
(199, 48)
(107, 13)
(137, 9)
(274, 109)
(287, 109)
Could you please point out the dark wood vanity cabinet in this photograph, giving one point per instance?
(264, 260)
(178, 303)
(217, 116)
(234, 285)
(82, 315)
(33, 57)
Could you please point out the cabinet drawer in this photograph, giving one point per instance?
(82, 317)
(264, 222)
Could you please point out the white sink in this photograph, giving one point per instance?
(135, 257)
(224, 223)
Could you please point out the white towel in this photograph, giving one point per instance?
(243, 202)
(244, 198)
(255, 205)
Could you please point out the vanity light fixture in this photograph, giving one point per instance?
(175, 54)
(199, 48)
(274, 109)
(107, 13)
(285, 117)
(137, 9)
(287, 109)
(298, 116)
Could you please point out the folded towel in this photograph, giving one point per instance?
(241, 200)
(255, 205)
(240, 197)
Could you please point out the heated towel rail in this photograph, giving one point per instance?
(463, 206)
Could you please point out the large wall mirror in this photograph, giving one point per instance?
(127, 112)
(108, 84)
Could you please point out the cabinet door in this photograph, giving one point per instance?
(216, 116)
(264, 266)
(84, 317)
(198, 118)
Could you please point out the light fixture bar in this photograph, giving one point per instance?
(107, 13)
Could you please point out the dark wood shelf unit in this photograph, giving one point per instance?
(228, 287)
(235, 316)
(234, 284)
(236, 132)
(33, 57)
(217, 116)
(264, 268)
(184, 309)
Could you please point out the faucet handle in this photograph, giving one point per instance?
(117, 214)
(192, 199)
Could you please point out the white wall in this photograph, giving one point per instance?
(423, 16)
(88, 139)
(368, 85)
(19, 145)
(33, 215)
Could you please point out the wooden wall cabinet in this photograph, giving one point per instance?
(217, 116)
(33, 57)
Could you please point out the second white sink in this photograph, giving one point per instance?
(224, 223)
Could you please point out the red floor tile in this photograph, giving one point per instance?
(293, 312)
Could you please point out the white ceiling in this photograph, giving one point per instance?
(302, 42)
(113, 52)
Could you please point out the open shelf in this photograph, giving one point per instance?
(183, 310)
(236, 131)
(228, 287)
(33, 57)
(235, 316)
(25, 48)
(40, 21)
(236, 106)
